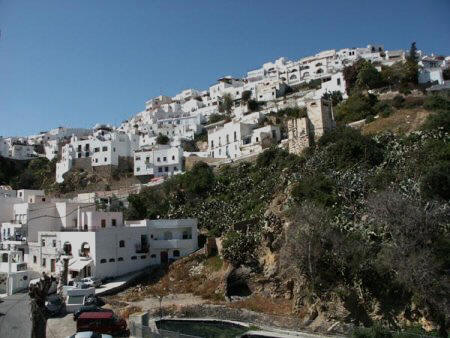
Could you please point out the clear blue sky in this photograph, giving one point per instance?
(79, 62)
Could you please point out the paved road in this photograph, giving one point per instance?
(15, 316)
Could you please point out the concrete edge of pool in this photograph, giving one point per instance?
(140, 322)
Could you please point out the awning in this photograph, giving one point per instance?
(79, 264)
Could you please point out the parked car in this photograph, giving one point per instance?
(89, 308)
(89, 334)
(54, 305)
(95, 282)
(101, 322)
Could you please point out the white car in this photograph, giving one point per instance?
(89, 334)
(95, 282)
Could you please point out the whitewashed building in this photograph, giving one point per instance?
(158, 160)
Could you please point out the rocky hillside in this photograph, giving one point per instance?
(353, 231)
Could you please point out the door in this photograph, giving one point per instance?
(52, 265)
(164, 257)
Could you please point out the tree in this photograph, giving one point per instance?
(226, 105)
(162, 139)
(253, 105)
(38, 294)
(356, 107)
(414, 248)
(335, 97)
(413, 52)
(368, 76)
(246, 95)
(213, 118)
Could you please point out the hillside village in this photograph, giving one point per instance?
(216, 172)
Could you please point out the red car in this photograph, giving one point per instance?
(101, 322)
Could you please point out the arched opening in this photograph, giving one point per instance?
(85, 250)
(293, 77)
(67, 248)
(305, 75)
(319, 71)
(176, 253)
(168, 235)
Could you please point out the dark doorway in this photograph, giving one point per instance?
(164, 257)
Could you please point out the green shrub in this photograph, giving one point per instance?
(375, 331)
(238, 248)
(439, 120)
(356, 107)
(162, 139)
(347, 146)
(370, 118)
(436, 182)
(294, 112)
(213, 118)
(318, 189)
(437, 102)
(398, 101)
(383, 109)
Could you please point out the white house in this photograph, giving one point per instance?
(103, 248)
(431, 70)
(158, 160)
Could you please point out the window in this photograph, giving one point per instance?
(235, 136)
(339, 82)
(113, 222)
(175, 168)
(34, 259)
(176, 253)
(147, 159)
(43, 262)
(173, 157)
(121, 244)
(143, 257)
(228, 138)
(86, 154)
(42, 241)
(105, 149)
(103, 261)
(112, 260)
(159, 159)
(212, 144)
(164, 159)
(54, 243)
(257, 139)
(133, 257)
(220, 141)
(114, 149)
(138, 169)
(166, 169)
(96, 160)
(120, 259)
(153, 256)
(96, 150)
(103, 223)
(138, 158)
(106, 160)
(160, 169)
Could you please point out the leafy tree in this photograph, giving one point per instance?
(351, 74)
(356, 107)
(413, 53)
(162, 139)
(213, 118)
(346, 146)
(226, 105)
(246, 95)
(253, 105)
(335, 97)
(368, 76)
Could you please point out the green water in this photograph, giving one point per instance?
(202, 329)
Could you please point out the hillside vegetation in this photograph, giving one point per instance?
(360, 220)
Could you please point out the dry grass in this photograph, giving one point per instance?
(129, 310)
(271, 306)
(401, 121)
